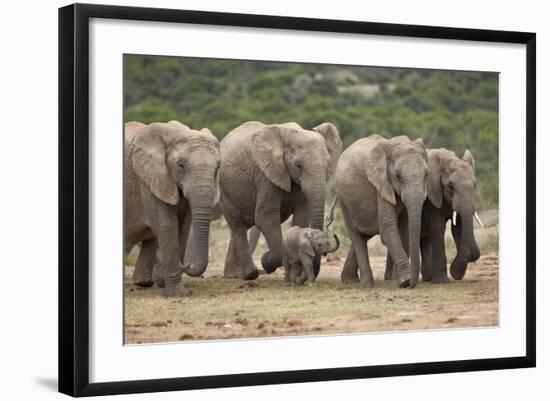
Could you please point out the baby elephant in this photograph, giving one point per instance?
(300, 246)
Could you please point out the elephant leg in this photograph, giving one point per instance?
(350, 271)
(359, 244)
(307, 267)
(294, 274)
(287, 267)
(164, 222)
(169, 258)
(362, 253)
(391, 238)
(143, 273)
(185, 249)
(388, 273)
(267, 217)
(439, 258)
(426, 249)
(253, 238)
(249, 271)
(232, 268)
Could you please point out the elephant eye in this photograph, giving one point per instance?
(298, 165)
(181, 165)
(450, 186)
(397, 177)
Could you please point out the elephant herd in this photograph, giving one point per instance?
(177, 179)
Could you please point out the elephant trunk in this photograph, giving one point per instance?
(336, 244)
(414, 205)
(201, 202)
(468, 250)
(315, 196)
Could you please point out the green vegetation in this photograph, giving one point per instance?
(452, 109)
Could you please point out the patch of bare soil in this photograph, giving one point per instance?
(226, 308)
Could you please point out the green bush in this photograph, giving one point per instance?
(453, 109)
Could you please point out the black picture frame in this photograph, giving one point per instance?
(74, 198)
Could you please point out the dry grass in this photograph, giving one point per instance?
(227, 308)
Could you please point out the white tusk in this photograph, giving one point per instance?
(454, 217)
(478, 220)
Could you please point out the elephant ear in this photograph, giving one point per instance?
(334, 143)
(268, 154)
(469, 158)
(376, 165)
(149, 161)
(435, 193)
(305, 243)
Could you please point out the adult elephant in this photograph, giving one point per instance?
(381, 187)
(451, 196)
(269, 172)
(170, 177)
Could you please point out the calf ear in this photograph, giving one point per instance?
(306, 245)
(435, 193)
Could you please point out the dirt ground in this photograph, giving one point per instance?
(229, 308)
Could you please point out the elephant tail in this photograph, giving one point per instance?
(330, 217)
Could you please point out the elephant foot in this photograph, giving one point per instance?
(144, 282)
(269, 264)
(440, 278)
(349, 279)
(173, 292)
(388, 275)
(250, 273)
(142, 279)
(404, 282)
(301, 281)
(232, 274)
(158, 276)
(403, 277)
(367, 283)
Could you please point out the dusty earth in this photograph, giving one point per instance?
(229, 308)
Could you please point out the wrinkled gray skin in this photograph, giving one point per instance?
(269, 172)
(381, 187)
(300, 247)
(451, 186)
(170, 174)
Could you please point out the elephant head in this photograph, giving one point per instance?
(452, 180)
(319, 243)
(398, 166)
(288, 154)
(175, 162)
